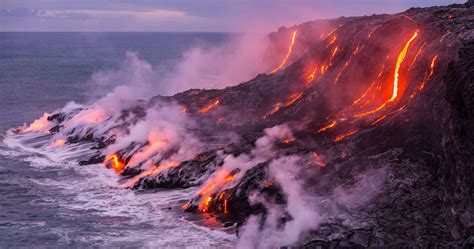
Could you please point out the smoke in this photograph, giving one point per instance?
(134, 78)
(304, 211)
(165, 128)
(236, 61)
(264, 150)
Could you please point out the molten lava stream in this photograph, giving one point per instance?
(400, 59)
(356, 51)
(370, 87)
(207, 191)
(293, 98)
(340, 137)
(385, 116)
(38, 125)
(59, 143)
(417, 55)
(153, 171)
(290, 49)
(311, 76)
(117, 164)
(332, 55)
(334, 38)
(317, 160)
(432, 66)
(328, 126)
(421, 85)
(210, 106)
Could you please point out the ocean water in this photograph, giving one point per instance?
(46, 203)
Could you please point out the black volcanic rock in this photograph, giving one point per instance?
(422, 139)
(458, 133)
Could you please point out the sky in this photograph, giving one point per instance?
(186, 15)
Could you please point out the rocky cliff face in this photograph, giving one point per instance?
(365, 123)
(457, 171)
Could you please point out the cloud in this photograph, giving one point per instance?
(186, 15)
(140, 14)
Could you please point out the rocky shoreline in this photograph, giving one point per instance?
(384, 166)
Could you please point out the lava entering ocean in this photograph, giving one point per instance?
(358, 102)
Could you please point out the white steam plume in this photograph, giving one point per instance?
(303, 211)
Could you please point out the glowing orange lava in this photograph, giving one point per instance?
(356, 51)
(204, 206)
(334, 38)
(290, 49)
(311, 76)
(275, 109)
(332, 55)
(421, 85)
(38, 124)
(400, 59)
(378, 120)
(159, 169)
(225, 207)
(288, 141)
(117, 164)
(340, 137)
(432, 66)
(417, 54)
(211, 187)
(317, 160)
(59, 143)
(370, 87)
(210, 106)
(293, 98)
(328, 126)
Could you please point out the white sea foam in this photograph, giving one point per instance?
(95, 190)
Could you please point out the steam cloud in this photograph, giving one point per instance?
(304, 211)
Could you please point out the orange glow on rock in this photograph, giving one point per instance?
(225, 207)
(211, 187)
(311, 76)
(340, 137)
(400, 59)
(204, 207)
(210, 106)
(117, 164)
(275, 109)
(421, 85)
(290, 49)
(293, 98)
(378, 120)
(332, 55)
(317, 160)
(59, 143)
(334, 38)
(370, 87)
(288, 141)
(328, 126)
(159, 169)
(38, 124)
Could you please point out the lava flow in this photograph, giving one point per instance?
(328, 126)
(340, 137)
(293, 98)
(207, 191)
(210, 106)
(400, 59)
(290, 49)
(117, 164)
